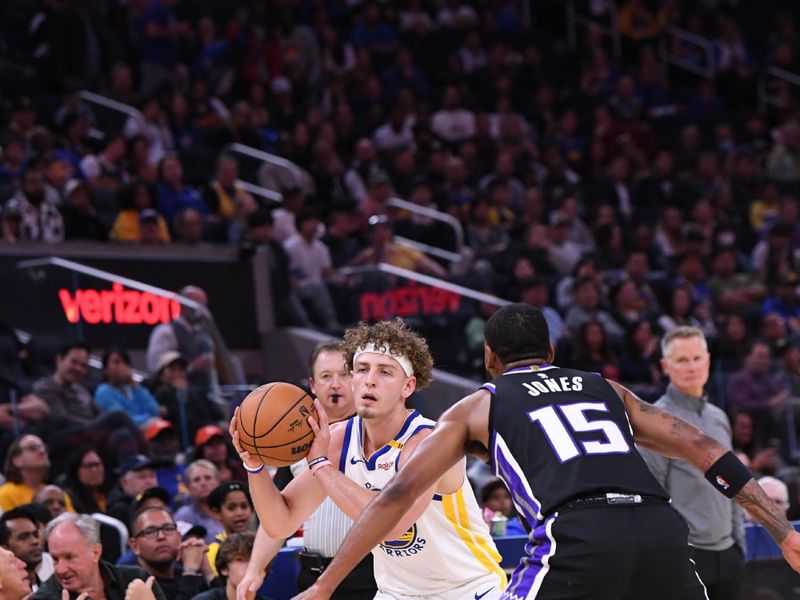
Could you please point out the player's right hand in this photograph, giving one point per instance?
(243, 454)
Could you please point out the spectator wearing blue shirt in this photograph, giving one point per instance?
(173, 195)
(120, 392)
(372, 33)
(404, 74)
(785, 301)
(159, 35)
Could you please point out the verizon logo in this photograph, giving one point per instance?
(118, 305)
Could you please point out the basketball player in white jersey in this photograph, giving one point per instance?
(441, 548)
(331, 383)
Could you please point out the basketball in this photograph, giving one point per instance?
(273, 423)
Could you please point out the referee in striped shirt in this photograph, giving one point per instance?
(325, 529)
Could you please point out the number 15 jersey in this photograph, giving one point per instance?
(559, 434)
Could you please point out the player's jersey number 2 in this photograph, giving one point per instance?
(560, 423)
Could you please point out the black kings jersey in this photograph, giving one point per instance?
(558, 434)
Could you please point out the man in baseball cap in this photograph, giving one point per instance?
(136, 475)
(154, 497)
(210, 443)
(164, 446)
(207, 433)
(170, 358)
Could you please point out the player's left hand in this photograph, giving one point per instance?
(791, 550)
(322, 433)
(312, 593)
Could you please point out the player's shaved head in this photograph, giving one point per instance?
(518, 332)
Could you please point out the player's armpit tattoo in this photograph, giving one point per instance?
(763, 510)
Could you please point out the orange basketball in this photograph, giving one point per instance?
(273, 423)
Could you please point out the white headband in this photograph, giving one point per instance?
(371, 348)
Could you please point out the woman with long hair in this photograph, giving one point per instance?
(86, 481)
(733, 343)
(593, 351)
(638, 364)
(681, 312)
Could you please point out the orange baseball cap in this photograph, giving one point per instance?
(205, 433)
(155, 428)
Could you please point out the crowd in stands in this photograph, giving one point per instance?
(620, 195)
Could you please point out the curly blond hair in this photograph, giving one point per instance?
(395, 336)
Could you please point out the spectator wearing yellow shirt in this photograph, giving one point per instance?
(26, 469)
(499, 212)
(764, 210)
(384, 250)
(133, 199)
(638, 22)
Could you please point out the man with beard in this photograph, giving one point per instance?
(37, 205)
(157, 545)
(19, 533)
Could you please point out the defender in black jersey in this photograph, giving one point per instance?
(563, 442)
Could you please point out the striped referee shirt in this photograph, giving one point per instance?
(327, 527)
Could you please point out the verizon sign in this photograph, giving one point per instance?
(117, 305)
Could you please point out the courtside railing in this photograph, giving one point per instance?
(688, 51)
(605, 19)
(110, 105)
(391, 270)
(259, 191)
(265, 158)
(770, 85)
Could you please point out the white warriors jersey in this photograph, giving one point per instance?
(448, 546)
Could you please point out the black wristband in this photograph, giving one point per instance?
(728, 475)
